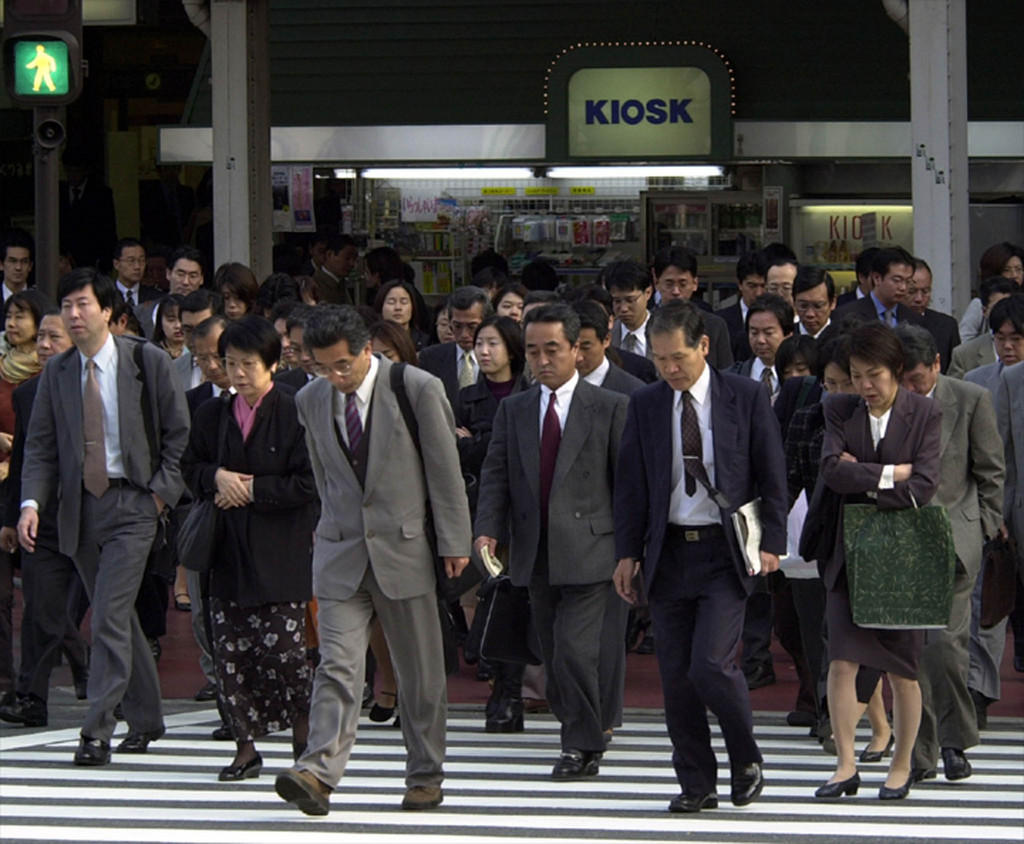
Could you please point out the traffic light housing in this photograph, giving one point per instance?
(43, 51)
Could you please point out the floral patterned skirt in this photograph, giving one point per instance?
(260, 657)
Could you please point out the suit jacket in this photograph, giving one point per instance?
(54, 449)
(946, 333)
(786, 404)
(618, 380)
(440, 361)
(1010, 415)
(198, 396)
(914, 435)
(580, 540)
(971, 479)
(295, 378)
(89, 226)
(733, 318)
(719, 341)
(383, 524)
(636, 365)
(183, 370)
(986, 376)
(749, 462)
(972, 354)
(866, 307)
(331, 290)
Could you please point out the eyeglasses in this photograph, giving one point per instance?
(336, 368)
(779, 288)
(675, 286)
(244, 365)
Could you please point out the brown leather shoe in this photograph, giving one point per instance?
(422, 797)
(304, 790)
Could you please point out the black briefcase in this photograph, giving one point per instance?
(507, 633)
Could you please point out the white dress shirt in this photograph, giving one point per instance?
(803, 329)
(364, 393)
(879, 425)
(134, 291)
(641, 338)
(696, 509)
(106, 375)
(755, 374)
(598, 375)
(563, 398)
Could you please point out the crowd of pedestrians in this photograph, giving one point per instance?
(367, 461)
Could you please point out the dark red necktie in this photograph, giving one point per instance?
(550, 437)
(693, 447)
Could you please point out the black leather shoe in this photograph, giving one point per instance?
(886, 793)
(956, 764)
(246, 771)
(799, 718)
(747, 782)
(687, 803)
(507, 717)
(380, 714)
(868, 756)
(832, 790)
(223, 733)
(761, 676)
(921, 774)
(137, 741)
(206, 693)
(92, 752)
(576, 765)
(27, 710)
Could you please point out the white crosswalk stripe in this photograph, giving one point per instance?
(497, 790)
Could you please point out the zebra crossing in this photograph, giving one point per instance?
(497, 790)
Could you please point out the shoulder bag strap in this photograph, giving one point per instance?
(147, 410)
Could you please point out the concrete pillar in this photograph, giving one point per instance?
(938, 112)
(240, 75)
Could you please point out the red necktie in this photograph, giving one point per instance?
(551, 436)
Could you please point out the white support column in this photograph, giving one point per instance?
(938, 111)
(241, 134)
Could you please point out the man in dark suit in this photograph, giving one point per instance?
(696, 446)
(112, 461)
(971, 490)
(750, 285)
(298, 376)
(862, 269)
(814, 298)
(340, 257)
(941, 326)
(548, 474)
(47, 575)
(88, 223)
(455, 363)
(594, 365)
(891, 272)
(130, 266)
(769, 322)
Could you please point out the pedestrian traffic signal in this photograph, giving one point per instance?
(43, 51)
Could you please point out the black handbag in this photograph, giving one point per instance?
(197, 536)
(821, 527)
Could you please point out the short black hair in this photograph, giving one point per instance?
(772, 303)
(488, 258)
(252, 333)
(919, 346)
(276, 288)
(541, 297)
(102, 287)
(837, 351)
(767, 260)
(796, 347)
(466, 297)
(625, 275)
(21, 239)
(518, 289)
(206, 327)
(201, 300)
(876, 343)
(126, 243)
(490, 277)
(995, 284)
(678, 315)
(591, 293)
(297, 317)
(337, 242)
(283, 309)
(807, 278)
(540, 275)
(556, 312)
(1011, 310)
(885, 258)
(512, 336)
(921, 264)
(171, 301)
(187, 253)
(862, 267)
(30, 299)
(747, 265)
(592, 315)
(383, 262)
(330, 324)
(674, 256)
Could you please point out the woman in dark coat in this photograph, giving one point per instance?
(881, 446)
(262, 578)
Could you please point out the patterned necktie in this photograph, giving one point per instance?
(766, 379)
(129, 298)
(353, 424)
(550, 437)
(693, 447)
(466, 376)
(630, 343)
(890, 317)
(94, 468)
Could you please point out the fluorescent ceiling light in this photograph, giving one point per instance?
(639, 172)
(343, 173)
(448, 173)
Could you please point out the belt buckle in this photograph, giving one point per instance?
(691, 535)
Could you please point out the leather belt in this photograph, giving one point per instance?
(701, 533)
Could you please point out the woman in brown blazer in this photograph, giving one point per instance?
(883, 446)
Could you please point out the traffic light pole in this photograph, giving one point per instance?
(46, 161)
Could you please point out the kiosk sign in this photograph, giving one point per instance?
(639, 111)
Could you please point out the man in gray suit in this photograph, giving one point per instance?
(1010, 403)
(372, 556)
(1007, 323)
(106, 438)
(547, 482)
(971, 490)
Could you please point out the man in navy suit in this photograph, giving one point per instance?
(454, 363)
(862, 269)
(891, 273)
(750, 285)
(696, 446)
